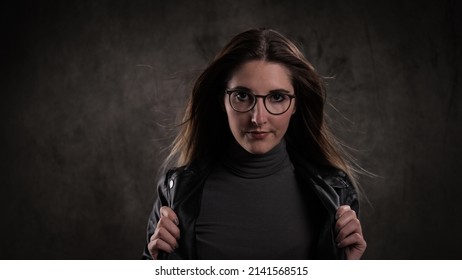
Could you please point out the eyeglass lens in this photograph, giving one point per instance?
(275, 103)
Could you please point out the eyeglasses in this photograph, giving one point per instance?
(242, 101)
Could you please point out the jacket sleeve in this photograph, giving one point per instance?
(152, 223)
(161, 200)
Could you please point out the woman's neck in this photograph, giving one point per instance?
(244, 164)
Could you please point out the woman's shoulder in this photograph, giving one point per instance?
(173, 173)
(182, 175)
(180, 182)
(334, 177)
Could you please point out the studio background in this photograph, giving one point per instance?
(90, 91)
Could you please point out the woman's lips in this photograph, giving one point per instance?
(258, 135)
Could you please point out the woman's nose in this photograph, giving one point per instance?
(259, 113)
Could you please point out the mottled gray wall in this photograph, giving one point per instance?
(88, 87)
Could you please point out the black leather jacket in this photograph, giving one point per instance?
(181, 189)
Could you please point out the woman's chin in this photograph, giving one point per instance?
(258, 148)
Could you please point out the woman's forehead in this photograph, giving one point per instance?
(260, 75)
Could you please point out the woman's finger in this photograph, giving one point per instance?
(354, 245)
(170, 214)
(353, 226)
(345, 215)
(164, 235)
(169, 225)
(158, 245)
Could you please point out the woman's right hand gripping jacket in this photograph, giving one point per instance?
(166, 234)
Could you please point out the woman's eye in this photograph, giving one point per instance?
(242, 95)
(277, 97)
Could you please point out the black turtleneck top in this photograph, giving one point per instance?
(253, 208)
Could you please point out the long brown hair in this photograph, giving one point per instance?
(204, 130)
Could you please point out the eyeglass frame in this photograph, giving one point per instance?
(229, 91)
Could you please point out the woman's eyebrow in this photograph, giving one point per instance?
(278, 90)
(239, 88)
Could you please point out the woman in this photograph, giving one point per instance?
(261, 177)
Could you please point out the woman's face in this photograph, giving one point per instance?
(258, 131)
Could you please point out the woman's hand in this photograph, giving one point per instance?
(166, 234)
(349, 233)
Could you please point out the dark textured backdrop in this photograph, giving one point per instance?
(87, 88)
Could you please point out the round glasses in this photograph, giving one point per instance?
(242, 101)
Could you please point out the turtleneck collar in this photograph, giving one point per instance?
(244, 164)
